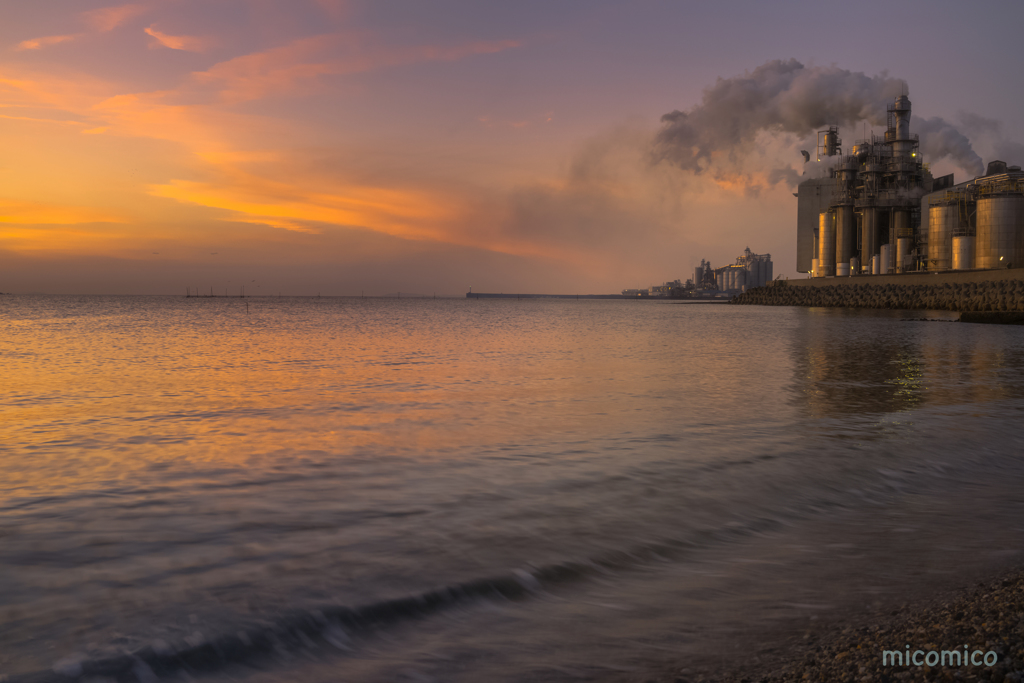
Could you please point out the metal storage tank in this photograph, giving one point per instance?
(827, 243)
(720, 280)
(854, 266)
(767, 271)
(942, 221)
(1000, 232)
(901, 225)
(963, 252)
(698, 276)
(869, 234)
(884, 259)
(875, 260)
(845, 238)
(814, 267)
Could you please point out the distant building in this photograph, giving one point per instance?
(750, 270)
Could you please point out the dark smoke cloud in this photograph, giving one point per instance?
(787, 97)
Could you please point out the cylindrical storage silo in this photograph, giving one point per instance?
(942, 221)
(963, 252)
(741, 278)
(720, 280)
(884, 259)
(1000, 238)
(817, 246)
(901, 225)
(904, 246)
(845, 238)
(868, 234)
(767, 271)
(875, 260)
(814, 267)
(762, 272)
(854, 266)
(827, 243)
(698, 276)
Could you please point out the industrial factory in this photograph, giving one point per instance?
(880, 211)
(750, 270)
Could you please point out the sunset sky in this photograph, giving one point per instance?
(308, 146)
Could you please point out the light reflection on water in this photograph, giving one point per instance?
(173, 465)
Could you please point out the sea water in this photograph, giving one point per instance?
(280, 489)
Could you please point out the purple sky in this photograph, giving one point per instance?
(338, 147)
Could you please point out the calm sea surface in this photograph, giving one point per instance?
(469, 490)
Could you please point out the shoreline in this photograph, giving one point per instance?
(973, 297)
(986, 617)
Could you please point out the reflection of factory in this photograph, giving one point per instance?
(880, 211)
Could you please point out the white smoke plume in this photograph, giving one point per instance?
(940, 139)
(785, 97)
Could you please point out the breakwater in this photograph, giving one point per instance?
(991, 295)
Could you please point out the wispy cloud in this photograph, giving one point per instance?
(187, 43)
(301, 62)
(109, 18)
(39, 43)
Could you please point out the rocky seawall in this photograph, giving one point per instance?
(1001, 295)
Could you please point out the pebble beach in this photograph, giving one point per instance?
(986, 619)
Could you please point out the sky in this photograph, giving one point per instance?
(334, 147)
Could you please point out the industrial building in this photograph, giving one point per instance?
(750, 270)
(880, 211)
(978, 224)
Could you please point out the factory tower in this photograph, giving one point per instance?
(880, 211)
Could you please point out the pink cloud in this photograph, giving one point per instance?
(37, 43)
(301, 62)
(187, 43)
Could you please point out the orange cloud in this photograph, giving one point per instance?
(37, 43)
(401, 213)
(36, 213)
(108, 18)
(187, 43)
